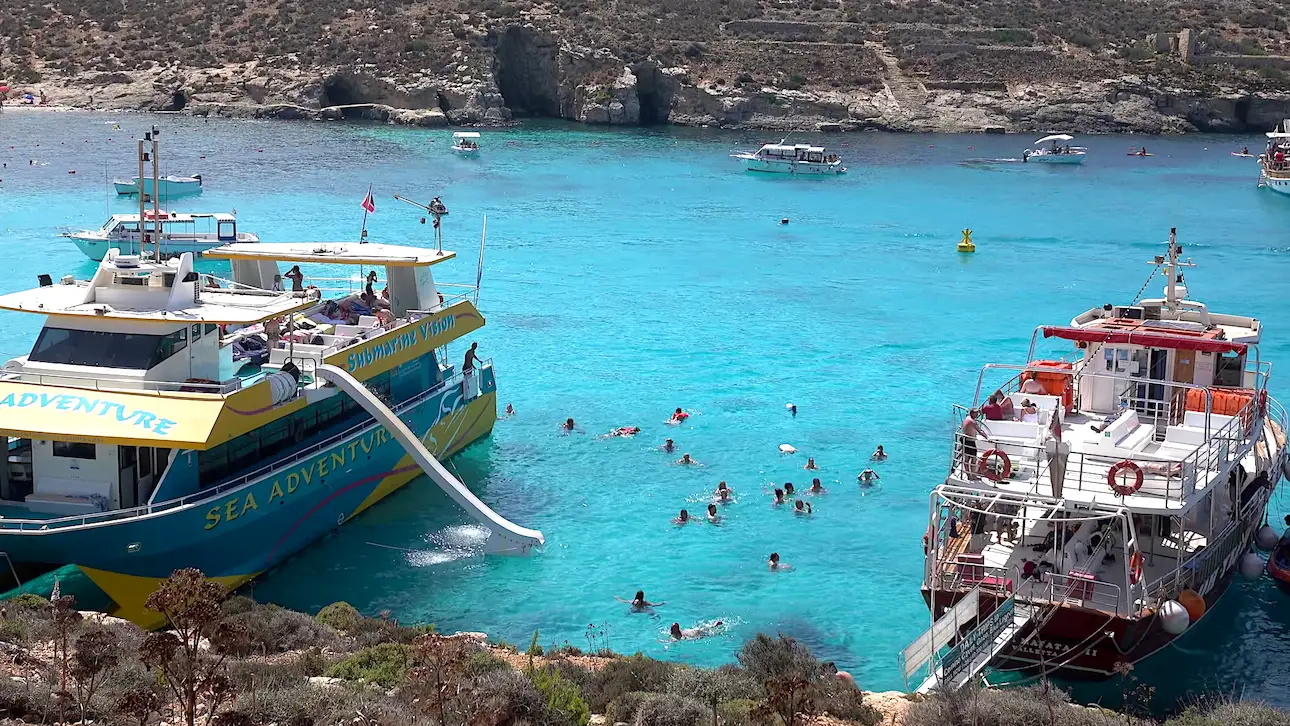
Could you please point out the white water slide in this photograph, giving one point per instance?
(505, 535)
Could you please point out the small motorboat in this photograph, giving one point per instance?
(169, 186)
(465, 142)
(1058, 152)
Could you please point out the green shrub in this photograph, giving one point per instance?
(384, 664)
(484, 662)
(845, 701)
(667, 709)
(766, 659)
(374, 631)
(340, 616)
(1237, 713)
(624, 707)
(713, 687)
(1023, 706)
(273, 629)
(511, 696)
(562, 695)
(27, 601)
(625, 675)
(741, 712)
(305, 705)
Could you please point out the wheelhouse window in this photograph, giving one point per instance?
(74, 450)
(135, 351)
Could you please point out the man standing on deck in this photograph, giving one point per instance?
(468, 371)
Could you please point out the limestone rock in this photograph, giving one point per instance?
(325, 682)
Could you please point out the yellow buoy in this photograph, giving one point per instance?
(966, 244)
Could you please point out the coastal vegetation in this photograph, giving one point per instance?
(235, 662)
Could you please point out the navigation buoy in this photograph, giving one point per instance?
(1251, 566)
(1174, 618)
(1266, 538)
(787, 449)
(966, 244)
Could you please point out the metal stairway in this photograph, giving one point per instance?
(974, 650)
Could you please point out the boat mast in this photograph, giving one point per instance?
(1171, 269)
(143, 232)
(156, 195)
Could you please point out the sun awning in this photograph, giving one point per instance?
(56, 413)
(1054, 137)
(1147, 340)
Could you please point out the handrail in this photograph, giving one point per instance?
(124, 385)
(98, 517)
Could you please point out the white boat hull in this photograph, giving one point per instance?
(1055, 159)
(1279, 185)
(785, 166)
(465, 151)
(170, 186)
(95, 247)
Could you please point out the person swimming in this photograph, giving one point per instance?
(816, 487)
(668, 446)
(623, 431)
(685, 460)
(792, 408)
(810, 464)
(713, 517)
(678, 416)
(723, 493)
(639, 603)
(779, 497)
(569, 426)
(802, 507)
(695, 633)
(788, 489)
(775, 565)
(868, 477)
(682, 518)
(879, 454)
(510, 410)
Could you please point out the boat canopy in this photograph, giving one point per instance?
(1055, 137)
(1145, 339)
(465, 134)
(333, 253)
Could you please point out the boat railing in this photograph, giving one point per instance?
(40, 525)
(1051, 588)
(149, 387)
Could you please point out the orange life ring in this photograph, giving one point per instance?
(988, 471)
(1135, 568)
(1120, 488)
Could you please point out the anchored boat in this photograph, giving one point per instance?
(140, 441)
(465, 142)
(1058, 151)
(1274, 163)
(169, 186)
(784, 158)
(1102, 506)
(178, 233)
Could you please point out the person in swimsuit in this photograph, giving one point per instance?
(775, 565)
(867, 477)
(623, 431)
(510, 410)
(788, 489)
(810, 464)
(568, 426)
(968, 433)
(297, 278)
(792, 408)
(723, 492)
(678, 416)
(713, 517)
(802, 507)
(879, 455)
(1032, 385)
(639, 603)
(779, 497)
(685, 460)
(816, 487)
(702, 631)
(682, 518)
(1029, 411)
(668, 446)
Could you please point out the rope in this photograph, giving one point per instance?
(1148, 282)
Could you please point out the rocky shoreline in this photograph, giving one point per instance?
(532, 74)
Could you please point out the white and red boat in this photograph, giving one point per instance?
(1098, 507)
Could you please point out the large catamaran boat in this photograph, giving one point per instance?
(167, 419)
(1102, 506)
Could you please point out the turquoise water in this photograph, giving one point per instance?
(629, 273)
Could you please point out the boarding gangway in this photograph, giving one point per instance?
(974, 649)
(506, 536)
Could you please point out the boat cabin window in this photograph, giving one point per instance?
(74, 450)
(227, 230)
(135, 351)
(1230, 367)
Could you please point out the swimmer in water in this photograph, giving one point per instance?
(868, 477)
(779, 497)
(792, 408)
(510, 410)
(879, 455)
(789, 490)
(810, 464)
(668, 446)
(569, 426)
(801, 507)
(678, 416)
(639, 603)
(679, 633)
(713, 517)
(723, 493)
(682, 518)
(623, 431)
(816, 487)
(685, 460)
(775, 565)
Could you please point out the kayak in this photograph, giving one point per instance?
(1134, 153)
(1243, 156)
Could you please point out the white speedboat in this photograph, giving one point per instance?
(465, 142)
(180, 233)
(1274, 163)
(783, 158)
(1058, 151)
(170, 186)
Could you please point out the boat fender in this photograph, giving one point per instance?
(1117, 484)
(1251, 566)
(787, 449)
(1135, 568)
(1266, 538)
(987, 469)
(282, 386)
(1194, 604)
(1174, 618)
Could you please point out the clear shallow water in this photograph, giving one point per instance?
(628, 273)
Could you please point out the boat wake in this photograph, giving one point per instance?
(458, 542)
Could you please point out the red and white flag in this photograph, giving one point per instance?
(369, 204)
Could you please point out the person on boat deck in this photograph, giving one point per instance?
(816, 487)
(968, 433)
(682, 518)
(468, 365)
(713, 517)
(678, 416)
(810, 464)
(879, 454)
(1029, 411)
(801, 507)
(297, 278)
(369, 295)
(774, 564)
(277, 283)
(1005, 406)
(669, 446)
(639, 603)
(1031, 384)
(273, 332)
(685, 460)
(993, 410)
(1280, 158)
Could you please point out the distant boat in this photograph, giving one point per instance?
(785, 158)
(171, 186)
(1059, 152)
(1275, 169)
(465, 142)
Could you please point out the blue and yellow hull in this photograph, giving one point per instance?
(242, 530)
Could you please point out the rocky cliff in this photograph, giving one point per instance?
(742, 63)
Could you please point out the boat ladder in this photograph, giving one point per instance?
(977, 648)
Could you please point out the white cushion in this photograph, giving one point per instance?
(1189, 436)
(1137, 438)
(1018, 430)
(1197, 420)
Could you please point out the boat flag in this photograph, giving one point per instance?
(369, 204)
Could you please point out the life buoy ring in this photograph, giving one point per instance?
(1135, 568)
(1119, 487)
(988, 471)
